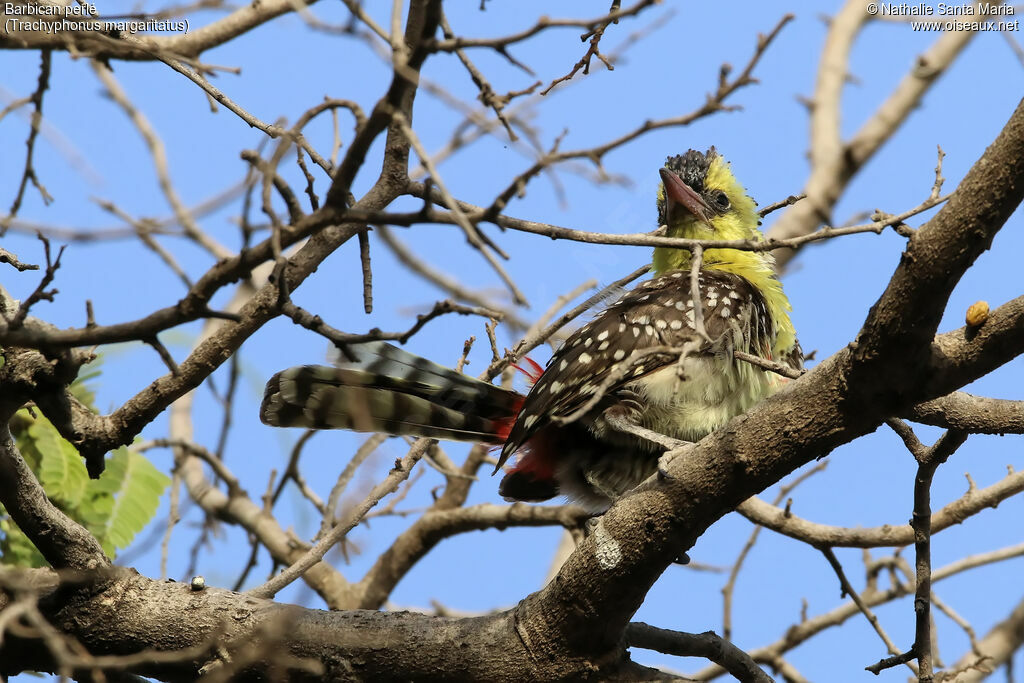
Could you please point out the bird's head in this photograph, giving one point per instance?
(700, 198)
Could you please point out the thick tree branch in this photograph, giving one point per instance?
(969, 413)
(957, 357)
(368, 645)
(895, 339)
(63, 542)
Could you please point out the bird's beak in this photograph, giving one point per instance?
(679, 193)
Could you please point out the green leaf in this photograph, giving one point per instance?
(136, 487)
(61, 470)
(114, 508)
(20, 424)
(15, 548)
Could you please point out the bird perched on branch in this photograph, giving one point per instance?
(657, 363)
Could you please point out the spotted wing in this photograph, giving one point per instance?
(658, 313)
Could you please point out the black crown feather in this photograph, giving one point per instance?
(692, 168)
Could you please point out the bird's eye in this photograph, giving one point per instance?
(722, 201)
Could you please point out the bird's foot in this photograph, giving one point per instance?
(666, 460)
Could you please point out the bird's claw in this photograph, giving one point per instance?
(664, 462)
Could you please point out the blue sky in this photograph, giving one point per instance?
(89, 150)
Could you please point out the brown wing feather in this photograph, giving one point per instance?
(660, 312)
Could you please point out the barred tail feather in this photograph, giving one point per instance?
(409, 373)
(398, 394)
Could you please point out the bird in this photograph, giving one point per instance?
(654, 366)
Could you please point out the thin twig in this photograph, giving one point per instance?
(595, 35)
(862, 606)
(928, 463)
(727, 589)
(487, 95)
(362, 453)
(473, 234)
(144, 231)
(775, 206)
(293, 473)
(770, 365)
(160, 163)
(364, 264)
(530, 342)
(164, 354)
(40, 293)
(12, 258)
(398, 474)
(29, 174)
(651, 239)
(316, 324)
(442, 280)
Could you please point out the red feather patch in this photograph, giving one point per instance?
(535, 371)
(536, 463)
(533, 459)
